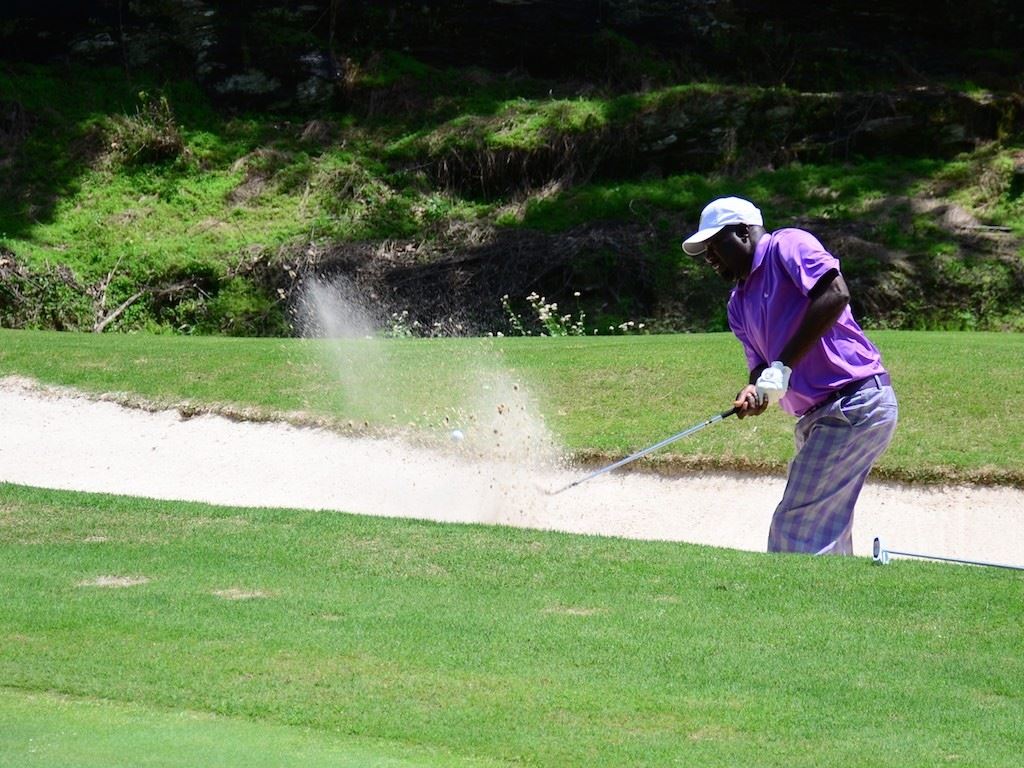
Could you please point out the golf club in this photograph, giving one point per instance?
(639, 454)
(881, 556)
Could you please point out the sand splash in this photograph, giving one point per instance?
(486, 419)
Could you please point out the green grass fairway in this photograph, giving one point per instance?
(604, 397)
(397, 642)
(42, 730)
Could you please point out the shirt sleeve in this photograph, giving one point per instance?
(805, 259)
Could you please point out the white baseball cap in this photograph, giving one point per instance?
(721, 213)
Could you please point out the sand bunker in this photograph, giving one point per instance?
(56, 439)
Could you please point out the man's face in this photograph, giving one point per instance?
(730, 253)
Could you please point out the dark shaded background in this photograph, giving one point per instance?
(803, 45)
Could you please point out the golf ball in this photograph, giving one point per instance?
(457, 435)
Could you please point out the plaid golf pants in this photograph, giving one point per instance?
(836, 446)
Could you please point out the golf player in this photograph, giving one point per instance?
(789, 307)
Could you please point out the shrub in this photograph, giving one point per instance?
(240, 308)
(149, 136)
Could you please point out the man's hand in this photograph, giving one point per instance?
(748, 404)
(773, 382)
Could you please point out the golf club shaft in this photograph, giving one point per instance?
(956, 560)
(640, 454)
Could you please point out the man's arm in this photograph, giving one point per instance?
(829, 298)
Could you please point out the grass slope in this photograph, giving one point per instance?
(153, 189)
(495, 644)
(603, 397)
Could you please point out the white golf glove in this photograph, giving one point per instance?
(773, 382)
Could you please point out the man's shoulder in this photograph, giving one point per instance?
(795, 245)
(794, 236)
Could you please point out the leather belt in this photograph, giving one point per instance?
(876, 381)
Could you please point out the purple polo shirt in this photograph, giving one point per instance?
(766, 308)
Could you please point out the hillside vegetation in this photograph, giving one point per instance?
(443, 196)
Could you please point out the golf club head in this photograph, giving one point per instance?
(879, 554)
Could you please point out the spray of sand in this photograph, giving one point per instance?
(335, 312)
(485, 419)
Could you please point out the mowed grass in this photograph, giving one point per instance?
(42, 730)
(345, 640)
(603, 397)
